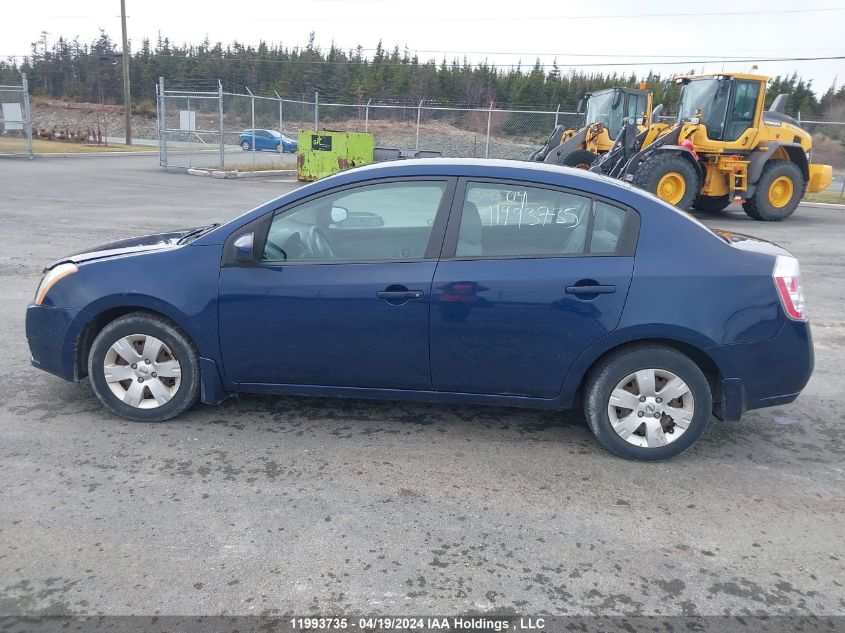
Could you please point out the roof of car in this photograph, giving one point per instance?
(477, 167)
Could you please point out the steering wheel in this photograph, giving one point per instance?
(320, 244)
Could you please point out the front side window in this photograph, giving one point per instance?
(384, 221)
(511, 220)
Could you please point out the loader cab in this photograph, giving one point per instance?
(727, 105)
(610, 107)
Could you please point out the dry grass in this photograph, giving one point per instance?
(18, 146)
(833, 196)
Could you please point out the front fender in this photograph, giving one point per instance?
(686, 153)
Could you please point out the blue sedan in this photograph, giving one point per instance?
(455, 281)
(267, 139)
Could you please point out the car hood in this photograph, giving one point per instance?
(141, 243)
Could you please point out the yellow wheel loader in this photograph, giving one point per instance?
(723, 147)
(605, 112)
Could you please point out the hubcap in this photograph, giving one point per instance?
(671, 187)
(141, 371)
(780, 193)
(651, 408)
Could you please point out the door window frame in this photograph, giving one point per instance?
(260, 227)
(626, 246)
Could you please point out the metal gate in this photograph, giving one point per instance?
(15, 120)
(190, 127)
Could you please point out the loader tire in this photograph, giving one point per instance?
(711, 204)
(580, 158)
(671, 178)
(779, 190)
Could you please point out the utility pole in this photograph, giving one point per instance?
(127, 100)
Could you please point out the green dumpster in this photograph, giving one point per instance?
(323, 153)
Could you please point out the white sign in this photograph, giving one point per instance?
(187, 120)
(12, 116)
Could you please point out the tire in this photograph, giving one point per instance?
(245, 146)
(579, 158)
(711, 204)
(779, 190)
(675, 169)
(162, 397)
(663, 362)
(280, 149)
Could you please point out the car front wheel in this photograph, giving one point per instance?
(647, 403)
(142, 367)
(245, 146)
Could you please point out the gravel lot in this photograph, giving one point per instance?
(283, 505)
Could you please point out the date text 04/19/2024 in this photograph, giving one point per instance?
(386, 623)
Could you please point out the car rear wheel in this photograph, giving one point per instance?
(144, 368)
(245, 146)
(647, 403)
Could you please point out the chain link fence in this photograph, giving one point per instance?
(213, 129)
(15, 120)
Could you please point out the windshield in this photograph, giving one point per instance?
(274, 133)
(600, 110)
(711, 97)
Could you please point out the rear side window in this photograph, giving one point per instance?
(608, 228)
(501, 219)
(513, 220)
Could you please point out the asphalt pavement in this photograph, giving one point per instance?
(295, 505)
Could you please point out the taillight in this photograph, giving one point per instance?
(787, 276)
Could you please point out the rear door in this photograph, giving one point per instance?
(530, 276)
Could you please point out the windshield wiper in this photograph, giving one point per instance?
(189, 237)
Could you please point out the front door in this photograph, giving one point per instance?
(340, 290)
(533, 277)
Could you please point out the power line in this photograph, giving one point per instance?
(524, 18)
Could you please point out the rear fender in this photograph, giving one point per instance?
(775, 150)
(657, 333)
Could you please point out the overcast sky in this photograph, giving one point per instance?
(600, 36)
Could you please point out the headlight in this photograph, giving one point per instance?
(53, 275)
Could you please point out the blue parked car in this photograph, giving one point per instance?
(457, 281)
(267, 139)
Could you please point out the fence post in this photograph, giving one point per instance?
(489, 117)
(162, 124)
(252, 126)
(799, 118)
(27, 114)
(419, 112)
(220, 110)
(557, 113)
(279, 97)
(367, 115)
(316, 111)
(190, 136)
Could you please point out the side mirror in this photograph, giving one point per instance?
(580, 108)
(655, 114)
(243, 248)
(339, 214)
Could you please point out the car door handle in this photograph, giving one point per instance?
(590, 290)
(399, 295)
